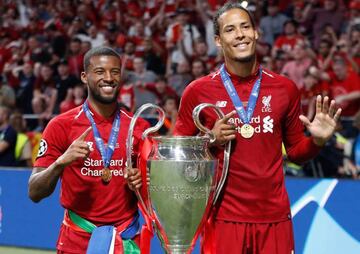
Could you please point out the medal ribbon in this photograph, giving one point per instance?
(107, 152)
(245, 116)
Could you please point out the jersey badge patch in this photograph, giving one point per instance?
(42, 147)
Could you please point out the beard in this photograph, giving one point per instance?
(245, 59)
(104, 100)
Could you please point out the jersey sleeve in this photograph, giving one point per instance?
(52, 145)
(299, 148)
(184, 125)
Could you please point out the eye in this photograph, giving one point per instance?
(99, 72)
(117, 73)
(229, 29)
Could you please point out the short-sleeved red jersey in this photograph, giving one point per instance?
(82, 189)
(255, 190)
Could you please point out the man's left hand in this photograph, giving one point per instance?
(324, 124)
(133, 177)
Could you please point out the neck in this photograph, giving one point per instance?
(241, 69)
(105, 110)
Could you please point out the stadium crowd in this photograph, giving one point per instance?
(164, 45)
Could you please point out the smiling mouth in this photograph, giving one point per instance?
(241, 45)
(108, 88)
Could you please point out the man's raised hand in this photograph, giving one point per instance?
(324, 123)
(224, 131)
(79, 149)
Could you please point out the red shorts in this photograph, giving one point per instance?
(254, 238)
(76, 242)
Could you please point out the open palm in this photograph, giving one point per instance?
(323, 126)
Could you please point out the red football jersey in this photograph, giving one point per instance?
(255, 189)
(82, 189)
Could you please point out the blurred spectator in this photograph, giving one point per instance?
(7, 139)
(344, 87)
(323, 53)
(198, 69)
(23, 150)
(128, 56)
(56, 39)
(313, 85)
(181, 78)
(354, 44)
(93, 35)
(24, 92)
(64, 83)
(206, 16)
(161, 89)
(287, 41)
(75, 97)
(139, 76)
(279, 61)
(44, 95)
(182, 30)
(352, 152)
(75, 57)
(295, 69)
(152, 56)
(85, 46)
(7, 94)
(330, 14)
(127, 95)
(170, 107)
(272, 25)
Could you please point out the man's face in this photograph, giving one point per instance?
(103, 78)
(324, 49)
(339, 68)
(46, 72)
(139, 65)
(237, 37)
(197, 69)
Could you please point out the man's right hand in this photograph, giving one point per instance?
(224, 131)
(79, 149)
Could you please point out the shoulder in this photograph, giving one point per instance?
(277, 80)
(128, 116)
(65, 120)
(204, 82)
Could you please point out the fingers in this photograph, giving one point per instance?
(83, 136)
(318, 104)
(227, 117)
(133, 177)
(337, 115)
(332, 108)
(325, 105)
(304, 120)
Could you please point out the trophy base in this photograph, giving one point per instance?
(178, 249)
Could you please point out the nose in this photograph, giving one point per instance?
(239, 33)
(108, 76)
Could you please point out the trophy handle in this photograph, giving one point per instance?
(130, 138)
(220, 114)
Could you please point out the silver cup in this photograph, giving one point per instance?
(184, 181)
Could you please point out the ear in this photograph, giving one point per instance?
(83, 77)
(256, 34)
(218, 41)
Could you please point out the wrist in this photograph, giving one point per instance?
(319, 141)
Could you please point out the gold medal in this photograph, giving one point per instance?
(106, 175)
(247, 131)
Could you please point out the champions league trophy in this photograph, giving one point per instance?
(182, 181)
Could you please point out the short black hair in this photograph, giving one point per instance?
(98, 51)
(225, 8)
